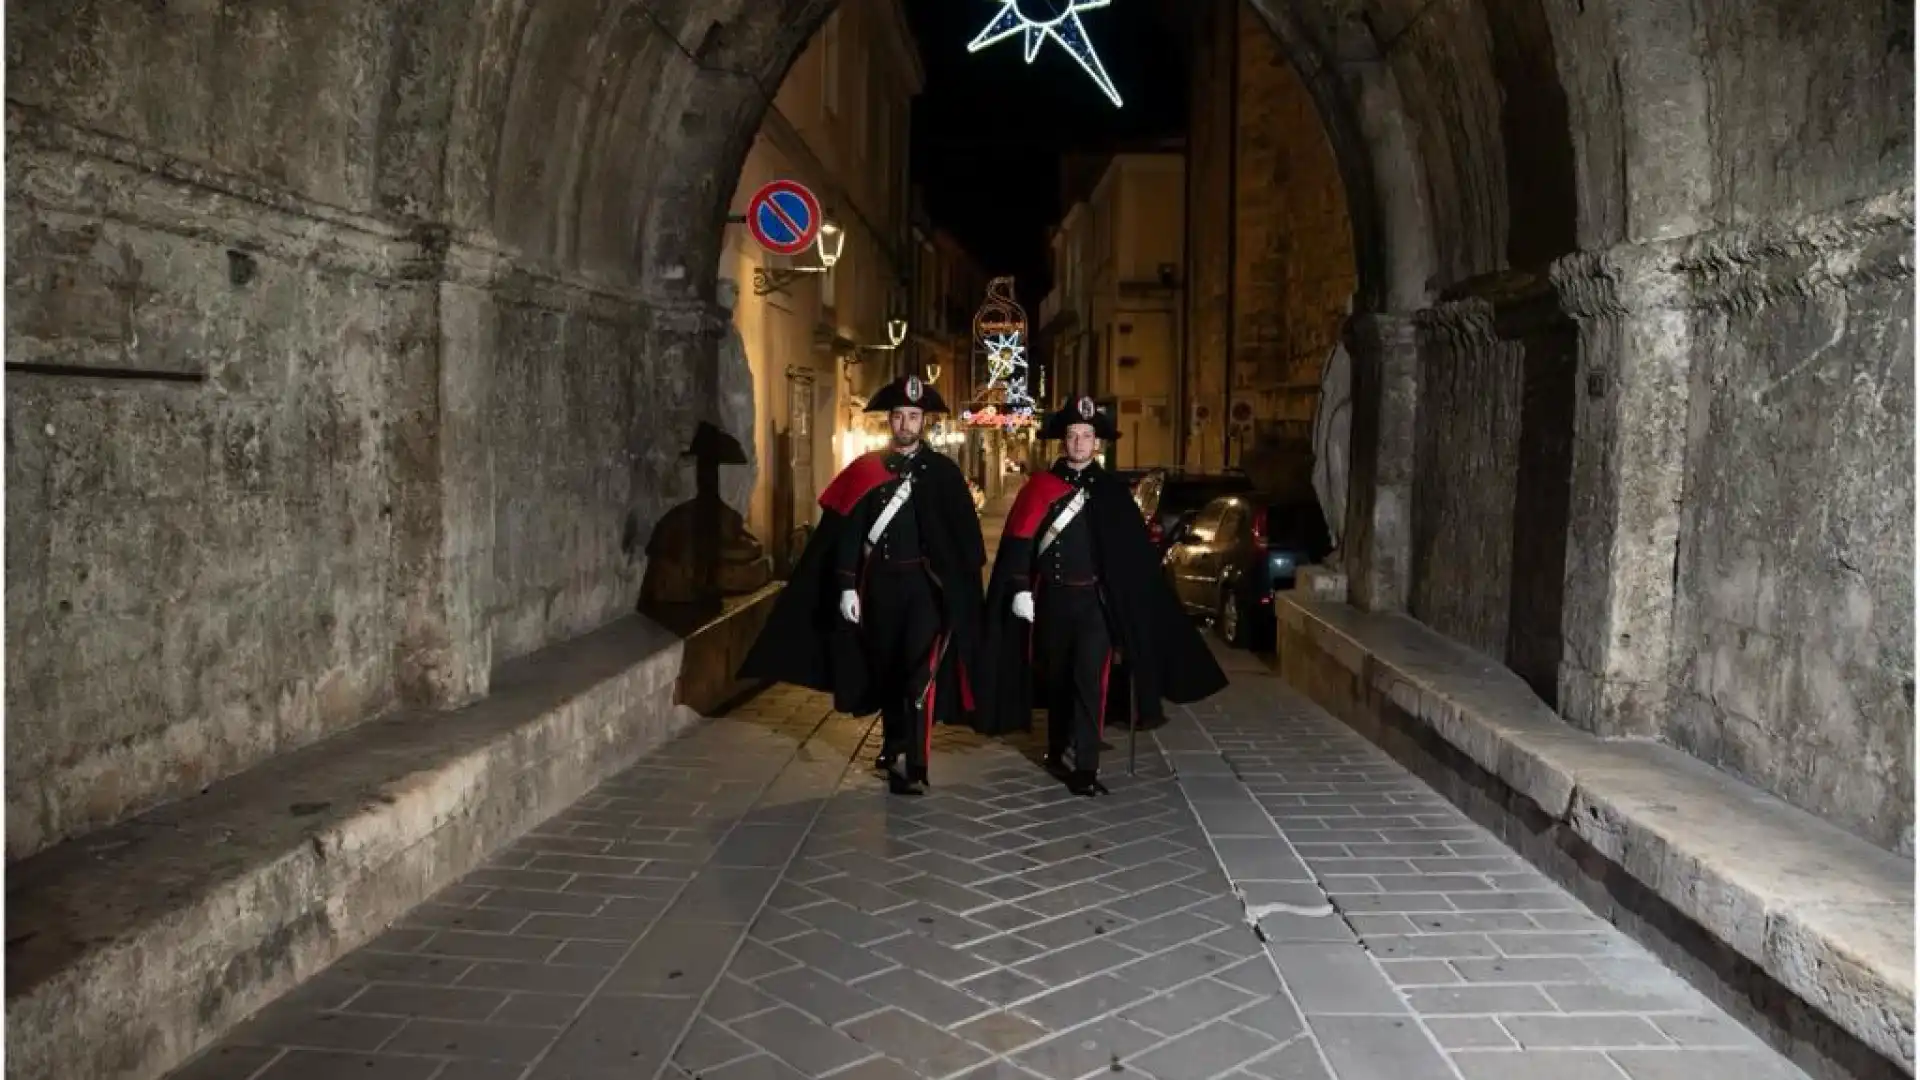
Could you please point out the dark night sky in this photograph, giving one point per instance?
(989, 129)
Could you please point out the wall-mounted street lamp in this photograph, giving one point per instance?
(828, 244)
(896, 335)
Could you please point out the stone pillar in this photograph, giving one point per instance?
(441, 504)
(1379, 496)
(1630, 435)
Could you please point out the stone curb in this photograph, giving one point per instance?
(1826, 914)
(168, 931)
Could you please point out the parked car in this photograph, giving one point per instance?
(1237, 552)
(1165, 495)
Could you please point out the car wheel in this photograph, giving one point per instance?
(1231, 623)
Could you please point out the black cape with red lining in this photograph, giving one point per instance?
(1162, 657)
(805, 641)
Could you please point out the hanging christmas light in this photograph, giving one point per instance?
(1056, 19)
(1000, 329)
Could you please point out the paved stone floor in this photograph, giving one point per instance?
(749, 904)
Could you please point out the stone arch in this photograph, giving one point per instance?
(768, 38)
(378, 269)
(710, 122)
(485, 230)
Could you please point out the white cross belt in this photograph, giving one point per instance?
(887, 512)
(1066, 517)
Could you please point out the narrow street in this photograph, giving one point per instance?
(749, 904)
(373, 684)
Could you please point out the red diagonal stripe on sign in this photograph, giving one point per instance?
(773, 204)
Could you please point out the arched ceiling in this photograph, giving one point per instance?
(600, 137)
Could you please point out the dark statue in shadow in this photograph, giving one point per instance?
(700, 552)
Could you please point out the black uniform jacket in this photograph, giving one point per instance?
(1162, 657)
(807, 643)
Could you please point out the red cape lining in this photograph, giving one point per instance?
(1039, 494)
(867, 472)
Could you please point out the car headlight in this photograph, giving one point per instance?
(1280, 563)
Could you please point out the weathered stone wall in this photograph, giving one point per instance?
(1786, 636)
(569, 400)
(199, 571)
(1740, 582)
(344, 385)
(1494, 418)
(1466, 450)
(1793, 619)
(1264, 309)
(1719, 195)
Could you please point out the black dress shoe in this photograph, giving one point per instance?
(1056, 765)
(1085, 782)
(902, 780)
(884, 761)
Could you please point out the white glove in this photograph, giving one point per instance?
(850, 606)
(1023, 606)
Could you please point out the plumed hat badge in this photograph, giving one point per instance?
(914, 389)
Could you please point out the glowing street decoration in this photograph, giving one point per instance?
(1000, 329)
(1056, 19)
(1007, 368)
(992, 417)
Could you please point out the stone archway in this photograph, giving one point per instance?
(1552, 219)
(422, 292)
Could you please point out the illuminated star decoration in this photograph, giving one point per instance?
(1056, 19)
(1007, 367)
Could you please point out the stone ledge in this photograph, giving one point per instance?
(132, 948)
(1747, 267)
(1823, 913)
(717, 644)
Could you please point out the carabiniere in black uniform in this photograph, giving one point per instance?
(1072, 642)
(883, 608)
(886, 563)
(1078, 611)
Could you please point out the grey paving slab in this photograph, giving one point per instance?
(1269, 898)
(1432, 950)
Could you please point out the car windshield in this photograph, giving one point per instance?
(1297, 526)
(1181, 495)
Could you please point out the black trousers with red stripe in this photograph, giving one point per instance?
(901, 616)
(1074, 652)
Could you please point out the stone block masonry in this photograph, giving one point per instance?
(1740, 547)
(1712, 554)
(344, 466)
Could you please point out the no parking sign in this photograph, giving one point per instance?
(784, 216)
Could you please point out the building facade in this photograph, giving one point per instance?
(1271, 273)
(818, 342)
(947, 282)
(1064, 342)
(1113, 325)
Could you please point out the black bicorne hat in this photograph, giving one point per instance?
(1079, 409)
(907, 392)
